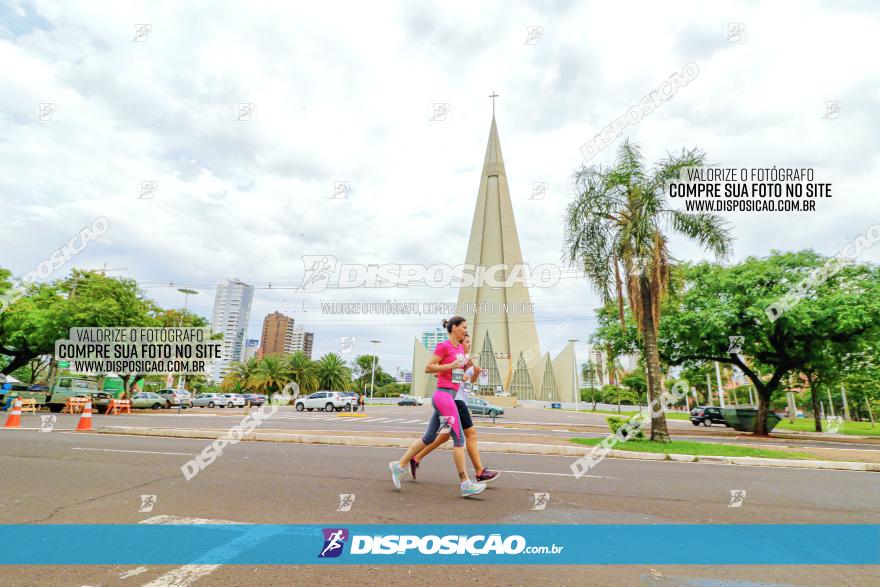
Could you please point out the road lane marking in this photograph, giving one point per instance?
(182, 576)
(148, 452)
(164, 519)
(133, 572)
(556, 474)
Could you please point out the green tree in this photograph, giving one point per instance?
(302, 372)
(636, 383)
(834, 318)
(620, 217)
(271, 375)
(362, 367)
(31, 324)
(590, 375)
(242, 376)
(332, 373)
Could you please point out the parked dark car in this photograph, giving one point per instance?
(707, 415)
(409, 400)
(254, 399)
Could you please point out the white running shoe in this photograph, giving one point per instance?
(469, 488)
(396, 472)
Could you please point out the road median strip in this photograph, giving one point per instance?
(500, 447)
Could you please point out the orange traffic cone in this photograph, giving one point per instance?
(85, 419)
(14, 418)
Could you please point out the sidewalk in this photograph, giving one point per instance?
(543, 445)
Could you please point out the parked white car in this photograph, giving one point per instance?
(212, 400)
(232, 400)
(174, 397)
(325, 400)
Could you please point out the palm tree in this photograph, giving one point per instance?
(332, 373)
(241, 375)
(620, 216)
(271, 375)
(302, 370)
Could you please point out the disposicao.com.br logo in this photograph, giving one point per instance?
(451, 544)
(323, 272)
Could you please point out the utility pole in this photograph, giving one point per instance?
(720, 389)
(709, 388)
(373, 374)
(577, 390)
(186, 293)
(830, 403)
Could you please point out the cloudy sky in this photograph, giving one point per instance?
(346, 92)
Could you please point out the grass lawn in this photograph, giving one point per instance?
(685, 447)
(807, 425)
(624, 413)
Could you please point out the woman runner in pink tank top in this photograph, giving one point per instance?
(448, 363)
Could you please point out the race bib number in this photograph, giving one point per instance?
(457, 375)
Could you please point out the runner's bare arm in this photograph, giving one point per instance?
(434, 365)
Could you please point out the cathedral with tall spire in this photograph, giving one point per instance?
(504, 343)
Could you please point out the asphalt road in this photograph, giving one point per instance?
(63, 477)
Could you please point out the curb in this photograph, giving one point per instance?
(500, 447)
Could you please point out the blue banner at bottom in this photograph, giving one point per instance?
(621, 544)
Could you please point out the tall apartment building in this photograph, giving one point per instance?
(232, 312)
(251, 349)
(431, 338)
(302, 341)
(278, 334)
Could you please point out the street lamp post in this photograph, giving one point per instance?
(373, 374)
(181, 381)
(577, 391)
